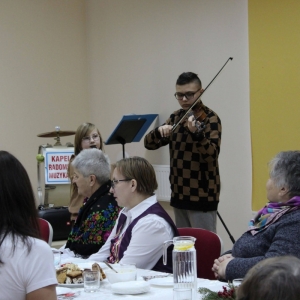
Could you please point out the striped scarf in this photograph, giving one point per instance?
(271, 213)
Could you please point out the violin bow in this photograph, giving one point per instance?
(193, 105)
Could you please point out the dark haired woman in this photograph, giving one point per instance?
(26, 262)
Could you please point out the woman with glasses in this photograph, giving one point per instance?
(143, 225)
(87, 136)
(26, 262)
(98, 214)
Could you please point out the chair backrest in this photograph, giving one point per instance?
(208, 247)
(46, 231)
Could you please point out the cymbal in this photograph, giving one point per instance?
(56, 133)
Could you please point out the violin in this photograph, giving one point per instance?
(199, 115)
(197, 108)
(198, 111)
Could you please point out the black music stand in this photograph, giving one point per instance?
(130, 129)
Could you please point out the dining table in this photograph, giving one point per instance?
(160, 289)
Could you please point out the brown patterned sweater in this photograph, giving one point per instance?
(194, 169)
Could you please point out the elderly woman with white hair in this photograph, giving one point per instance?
(275, 229)
(99, 212)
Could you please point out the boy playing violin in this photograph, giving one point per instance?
(194, 141)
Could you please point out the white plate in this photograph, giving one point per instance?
(82, 263)
(74, 260)
(88, 265)
(130, 287)
(62, 290)
(71, 285)
(166, 281)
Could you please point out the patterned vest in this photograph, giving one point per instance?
(119, 244)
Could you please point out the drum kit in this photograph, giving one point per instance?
(53, 178)
(56, 134)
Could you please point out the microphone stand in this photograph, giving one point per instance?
(230, 236)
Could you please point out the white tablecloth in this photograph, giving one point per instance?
(155, 293)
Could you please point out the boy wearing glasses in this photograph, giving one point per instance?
(194, 147)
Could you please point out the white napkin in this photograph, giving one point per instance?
(130, 287)
(62, 290)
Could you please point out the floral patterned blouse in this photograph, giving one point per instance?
(94, 223)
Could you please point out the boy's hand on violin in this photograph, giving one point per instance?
(165, 130)
(194, 125)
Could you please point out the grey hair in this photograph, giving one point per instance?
(274, 278)
(93, 162)
(285, 171)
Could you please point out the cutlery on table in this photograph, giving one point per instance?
(110, 266)
(146, 278)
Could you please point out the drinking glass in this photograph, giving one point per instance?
(91, 281)
(182, 294)
(237, 281)
(56, 257)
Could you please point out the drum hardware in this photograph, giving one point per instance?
(57, 134)
(47, 146)
(43, 199)
(47, 188)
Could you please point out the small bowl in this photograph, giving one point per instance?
(125, 273)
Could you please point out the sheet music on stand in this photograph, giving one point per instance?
(130, 129)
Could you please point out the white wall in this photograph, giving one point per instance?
(65, 62)
(137, 49)
(43, 75)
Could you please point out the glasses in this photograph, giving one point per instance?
(95, 137)
(115, 181)
(188, 95)
(75, 176)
